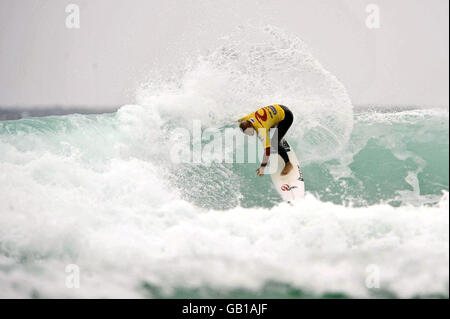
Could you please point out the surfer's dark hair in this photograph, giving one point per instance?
(243, 125)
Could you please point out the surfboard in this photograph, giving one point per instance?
(291, 187)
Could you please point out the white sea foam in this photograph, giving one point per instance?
(99, 192)
(315, 246)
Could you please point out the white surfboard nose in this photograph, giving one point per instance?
(291, 186)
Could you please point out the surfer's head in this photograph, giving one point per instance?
(247, 127)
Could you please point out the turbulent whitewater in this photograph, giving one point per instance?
(100, 191)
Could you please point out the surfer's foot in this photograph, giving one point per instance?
(287, 168)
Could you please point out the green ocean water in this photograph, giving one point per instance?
(396, 158)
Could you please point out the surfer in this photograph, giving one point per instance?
(262, 120)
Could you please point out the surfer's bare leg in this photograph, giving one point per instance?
(287, 168)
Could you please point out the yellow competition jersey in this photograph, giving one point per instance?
(264, 119)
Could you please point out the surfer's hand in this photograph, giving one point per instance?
(260, 171)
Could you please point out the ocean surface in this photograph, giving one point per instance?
(96, 197)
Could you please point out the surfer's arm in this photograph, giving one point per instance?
(266, 157)
(260, 171)
(264, 134)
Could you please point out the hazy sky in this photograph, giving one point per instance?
(404, 62)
